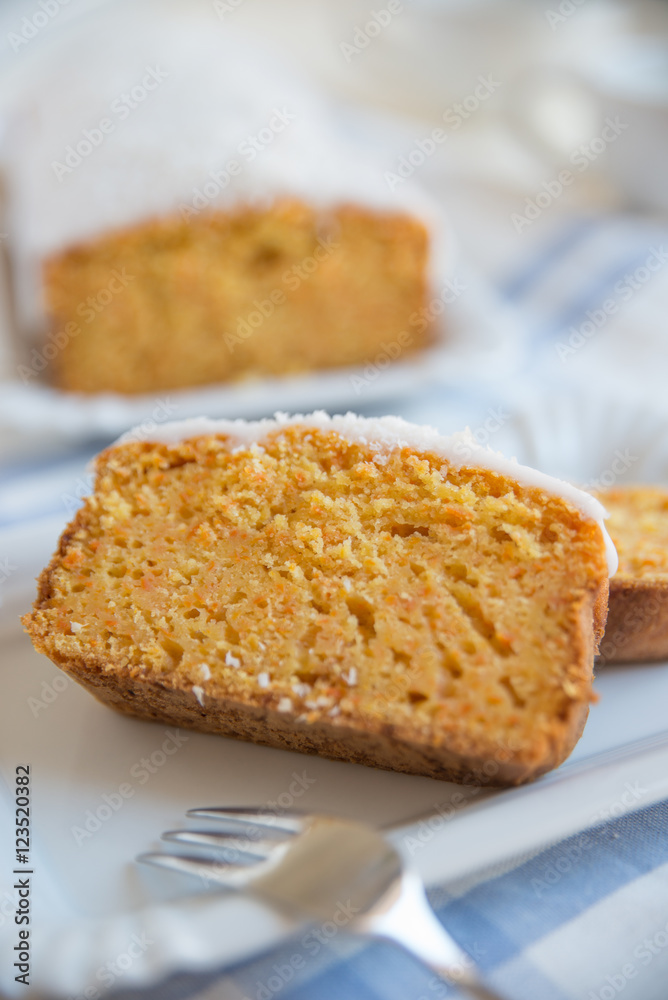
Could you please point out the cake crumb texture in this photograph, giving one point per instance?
(390, 609)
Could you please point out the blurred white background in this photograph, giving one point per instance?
(552, 165)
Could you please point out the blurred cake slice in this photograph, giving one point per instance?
(637, 626)
(363, 589)
(184, 212)
(271, 291)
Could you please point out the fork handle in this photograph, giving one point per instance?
(409, 921)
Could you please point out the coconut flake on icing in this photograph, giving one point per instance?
(383, 435)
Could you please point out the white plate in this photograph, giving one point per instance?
(480, 338)
(89, 898)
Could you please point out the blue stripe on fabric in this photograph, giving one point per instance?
(594, 297)
(24, 468)
(574, 234)
(341, 981)
(379, 972)
(513, 911)
(37, 515)
(522, 981)
(396, 975)
(504, 910)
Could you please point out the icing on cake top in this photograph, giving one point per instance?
(384, 434)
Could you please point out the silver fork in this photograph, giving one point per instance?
(305, 865)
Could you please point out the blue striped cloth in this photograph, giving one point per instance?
(584, 919)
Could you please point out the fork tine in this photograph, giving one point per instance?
(262, 819)
(208, 869)
(230, 845)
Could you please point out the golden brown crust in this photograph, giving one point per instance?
(637, 628)
(360, 741)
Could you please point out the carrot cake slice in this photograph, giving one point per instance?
(637, 626)
(363, 589)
